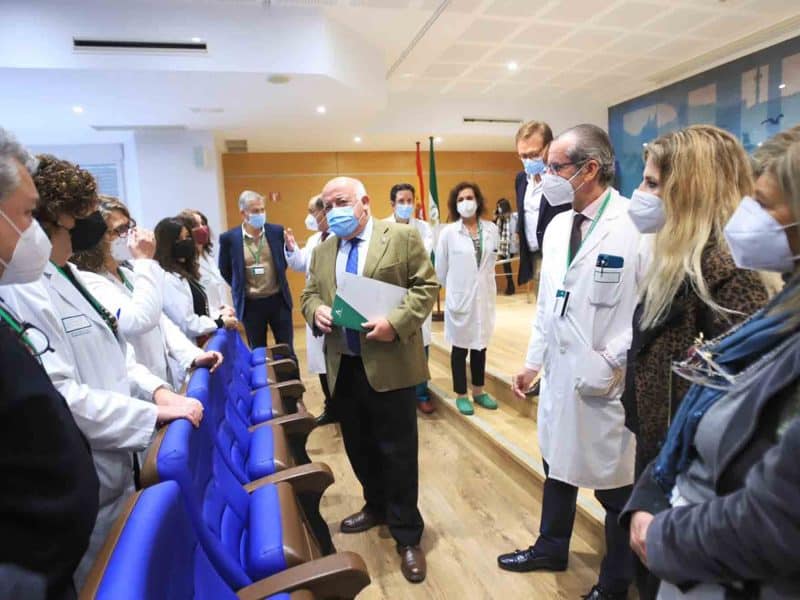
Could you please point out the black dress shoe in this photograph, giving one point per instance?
(360, 521)
(325, 418)
(521, 561)
(598, 593)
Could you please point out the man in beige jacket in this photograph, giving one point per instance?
(373, 374)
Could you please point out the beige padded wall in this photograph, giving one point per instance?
(298, 176)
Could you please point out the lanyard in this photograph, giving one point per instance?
(127, 283)
(17, 327)
(595, 221)
(479, 249)
(257, 257)
(104, 314)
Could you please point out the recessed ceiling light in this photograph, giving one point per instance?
(278, 79)
(782, 86)
(513, 66)
(197, 40)
(438, 140)
(321, 109)
(77, 110)
(357, 139)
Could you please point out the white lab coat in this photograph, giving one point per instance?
(581, 421)
(217, 289)
(426, 233)
(470, 292)
(159, 343)
(179, 307)
(97, 375)
(300, 260)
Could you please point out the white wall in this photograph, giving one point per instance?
(169, 180)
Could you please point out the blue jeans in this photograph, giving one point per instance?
(421, 390)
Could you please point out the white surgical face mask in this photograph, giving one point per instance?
(646, 210)
(757, 241)
(557, 190)
(30, 254)
(467, 208)
(311, 223)
(120, 250)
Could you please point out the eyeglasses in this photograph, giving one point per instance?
(557, 167)
(123, 230)
(35, 339)
(701, 368)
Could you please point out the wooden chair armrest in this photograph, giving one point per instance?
(341, 575)
(148, 474)
(278, 349)
(313, 477)
(299, 422)
(291, 388)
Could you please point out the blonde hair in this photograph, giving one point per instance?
(704, 172)
(531, 128)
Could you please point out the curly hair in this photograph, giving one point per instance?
(452, 201)
(63, 188)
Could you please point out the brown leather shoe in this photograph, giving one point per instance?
(360, 521)
(427, 407)
(412, 563)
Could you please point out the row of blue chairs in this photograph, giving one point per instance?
(230, 509)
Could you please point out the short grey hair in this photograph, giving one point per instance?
(592, 143)
(246, 196)
(11, 152)
(316, 203)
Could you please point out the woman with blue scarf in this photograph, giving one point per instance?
(717, 514)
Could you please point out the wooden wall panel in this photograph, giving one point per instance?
(298, 176)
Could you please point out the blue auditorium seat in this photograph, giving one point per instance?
(248, 533)
(153, 552)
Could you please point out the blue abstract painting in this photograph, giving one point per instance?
(753, 97)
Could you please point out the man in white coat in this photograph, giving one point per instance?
(580, 337)
(299, 259)
(403, 200)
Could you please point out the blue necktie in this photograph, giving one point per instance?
(352, 336)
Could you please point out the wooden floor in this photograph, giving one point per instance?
(473, 511)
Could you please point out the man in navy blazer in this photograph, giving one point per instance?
(535, 213)
(252, 261)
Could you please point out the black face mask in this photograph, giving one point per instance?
(184, 249)
(87, 232)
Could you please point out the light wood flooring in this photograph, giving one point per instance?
(473, 509)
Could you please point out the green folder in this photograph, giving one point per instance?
(362, 299)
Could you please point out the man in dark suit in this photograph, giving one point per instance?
(252, 261)
(373, 373)
(533, 140)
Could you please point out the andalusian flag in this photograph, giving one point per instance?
(433, 191)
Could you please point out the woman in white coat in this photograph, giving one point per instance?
(217, 289)
(299, 259)
(121, 273)
(116, 402)
(185, 299)
(465, 257)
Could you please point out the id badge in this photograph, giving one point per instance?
(562, 299)
(258, 271)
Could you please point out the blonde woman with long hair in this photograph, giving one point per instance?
(717, 513)
(693, 181)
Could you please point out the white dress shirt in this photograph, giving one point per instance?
(344, 251)
(533, 198)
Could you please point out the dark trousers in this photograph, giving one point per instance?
(326, 392)
(380, 438)
(421, 391)
(458, 364)
(270, 311)
(558, 517)
(509, 276)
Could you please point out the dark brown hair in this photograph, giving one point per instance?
(63, 188)
(190, 213)
(167, 232)
(452, 201)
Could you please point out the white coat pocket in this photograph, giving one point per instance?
(593, 375)
(458, 303)
(606, 286)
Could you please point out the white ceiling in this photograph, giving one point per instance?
(574, 57)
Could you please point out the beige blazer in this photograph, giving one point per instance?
(396, 255)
